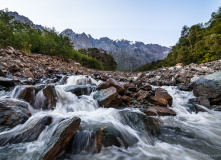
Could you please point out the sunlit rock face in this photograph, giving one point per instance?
(129, 55)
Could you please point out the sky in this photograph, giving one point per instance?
(148, 21)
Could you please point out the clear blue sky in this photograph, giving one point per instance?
(149, 21)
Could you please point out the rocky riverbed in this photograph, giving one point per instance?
(53, 108)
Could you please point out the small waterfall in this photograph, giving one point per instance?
(185, 136)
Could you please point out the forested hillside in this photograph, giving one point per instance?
(199, 43)
(25, 36)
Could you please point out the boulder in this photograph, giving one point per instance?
(46, 98)
(109, 136)
(209, 87)
(91, 137)
(79, 90)
(108, 97)
(28, 133)
(13, 112)
(60, 139)
(51, 96)
(159, 111)
(162, 93)
(159, 101)
(27, 92)
(141, 122)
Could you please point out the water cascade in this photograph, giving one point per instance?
(108, 133)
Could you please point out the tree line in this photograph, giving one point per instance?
(200, 43)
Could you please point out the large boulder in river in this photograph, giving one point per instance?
(91, 137)
(13, 112)
(39, 96)
(26, 133)
(60, 139)
(141, 122)
(46, 99)
(27, 92)
(208, 87)
(108, 97)
(162, 93)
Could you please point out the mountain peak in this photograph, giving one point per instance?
(128, 54)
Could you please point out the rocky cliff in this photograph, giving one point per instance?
(129, 55)
(24, 19)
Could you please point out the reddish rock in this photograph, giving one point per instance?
(120, 87)
(159, 111)
(112, 82)
(159, 101)
(51, 97)
(60, 139)
(104, 85)
(162, 93)
(141, 95)
(28, 94)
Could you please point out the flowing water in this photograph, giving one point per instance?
(186, 136)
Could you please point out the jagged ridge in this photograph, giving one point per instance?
(129, 55)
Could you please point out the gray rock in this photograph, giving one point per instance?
(13, 112)
(79, 90)
(208, 87)
(108, 97)
(29, 134)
